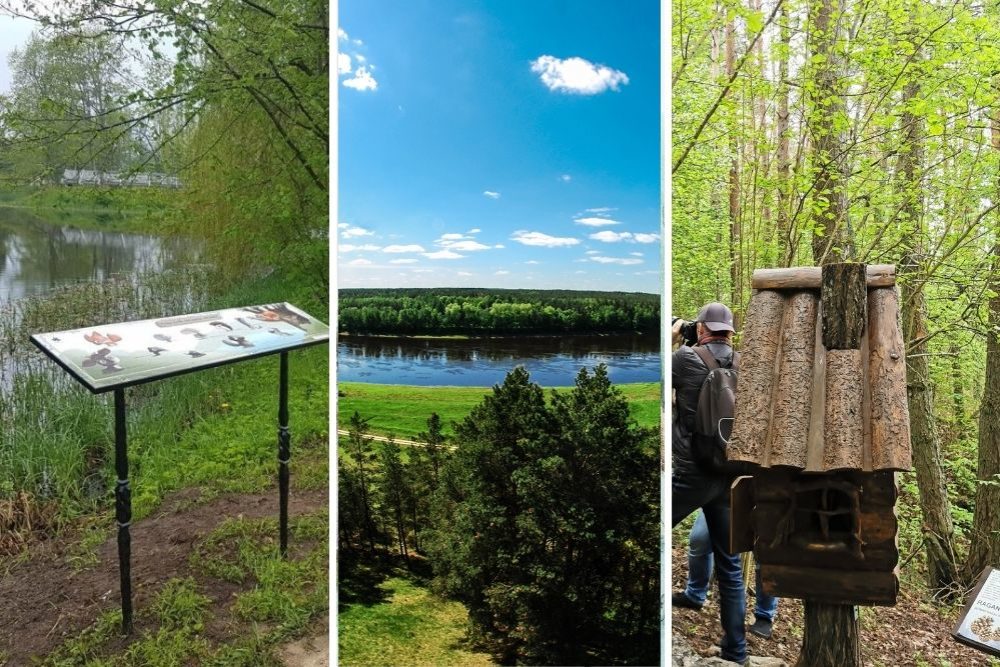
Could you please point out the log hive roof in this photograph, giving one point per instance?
(802, 406)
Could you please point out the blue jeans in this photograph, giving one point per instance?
(700, 571)
(691, 491)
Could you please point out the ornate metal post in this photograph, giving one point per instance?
(284, 453)
(123, 511)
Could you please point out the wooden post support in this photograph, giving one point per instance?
(831, 636)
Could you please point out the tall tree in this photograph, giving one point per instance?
(984, 548)
(942, 570)
(832, 636)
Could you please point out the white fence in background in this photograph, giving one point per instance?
(91, 177)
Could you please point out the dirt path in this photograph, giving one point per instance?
(404, 443)
(45, 600)
(313, 651)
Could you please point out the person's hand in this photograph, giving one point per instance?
(676, 331)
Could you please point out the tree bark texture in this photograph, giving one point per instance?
(845, 305)
(985, 547)
(832, 637)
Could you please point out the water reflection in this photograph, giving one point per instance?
(36, 256)
(551, 360)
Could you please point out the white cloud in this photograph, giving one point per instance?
(565, 178)
(502, 273)
(403, 248)
(341, 33)
(359, 262)
(499, 245)
(465, 245)
(475, 230)
(532, 261)
(608, 236)
(543, 240)
(579, 272)
(443, 254)
(349, 232)
(358, 42)
(362, 80)
(452, 237)
(348, 247)
(343, 63)
(596, 222)
(625, 261)
(577, 75)
(403, 261)
(636, 254)
(600, 209)
(593, 252)
(343, 225)
(463, 273)
(491, 194)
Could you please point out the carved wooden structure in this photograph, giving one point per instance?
(821, 415)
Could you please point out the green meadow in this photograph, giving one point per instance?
(402, 410)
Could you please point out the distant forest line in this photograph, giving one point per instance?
(472, 311)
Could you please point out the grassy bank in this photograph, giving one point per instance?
(402, 410)
(135, 210)
(213, 431)
(388, 616)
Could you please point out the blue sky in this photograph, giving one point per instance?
(499, 144)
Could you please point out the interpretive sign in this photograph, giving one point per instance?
(115, 356)
(127, 353)
(979, 624)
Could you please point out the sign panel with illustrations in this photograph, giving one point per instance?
(979, 624)
(127, 353)
(111, 357)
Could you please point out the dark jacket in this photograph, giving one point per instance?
(688, 372)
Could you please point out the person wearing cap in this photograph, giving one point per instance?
(694, 487)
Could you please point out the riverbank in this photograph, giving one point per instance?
(201, 445)
(128, 210)
(402, 410)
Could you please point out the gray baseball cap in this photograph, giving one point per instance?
(716, 317)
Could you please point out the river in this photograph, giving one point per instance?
(552, 361)
(37, 256)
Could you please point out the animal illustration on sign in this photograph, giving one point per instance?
(278, 312)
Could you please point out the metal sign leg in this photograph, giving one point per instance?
(284, 453)
(123, 511)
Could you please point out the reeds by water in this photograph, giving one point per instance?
(56, 440)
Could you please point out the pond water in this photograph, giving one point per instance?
(36, 256)
(552, 361)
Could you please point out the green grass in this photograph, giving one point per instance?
(409, 626)
(403, 410)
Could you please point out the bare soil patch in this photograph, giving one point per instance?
(46, 600)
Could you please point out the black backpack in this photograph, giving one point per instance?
(713, 418)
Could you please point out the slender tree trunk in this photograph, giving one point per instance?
(735, 233)
(942, 568)
(831, 634)
(781, 132)
(985, 547)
